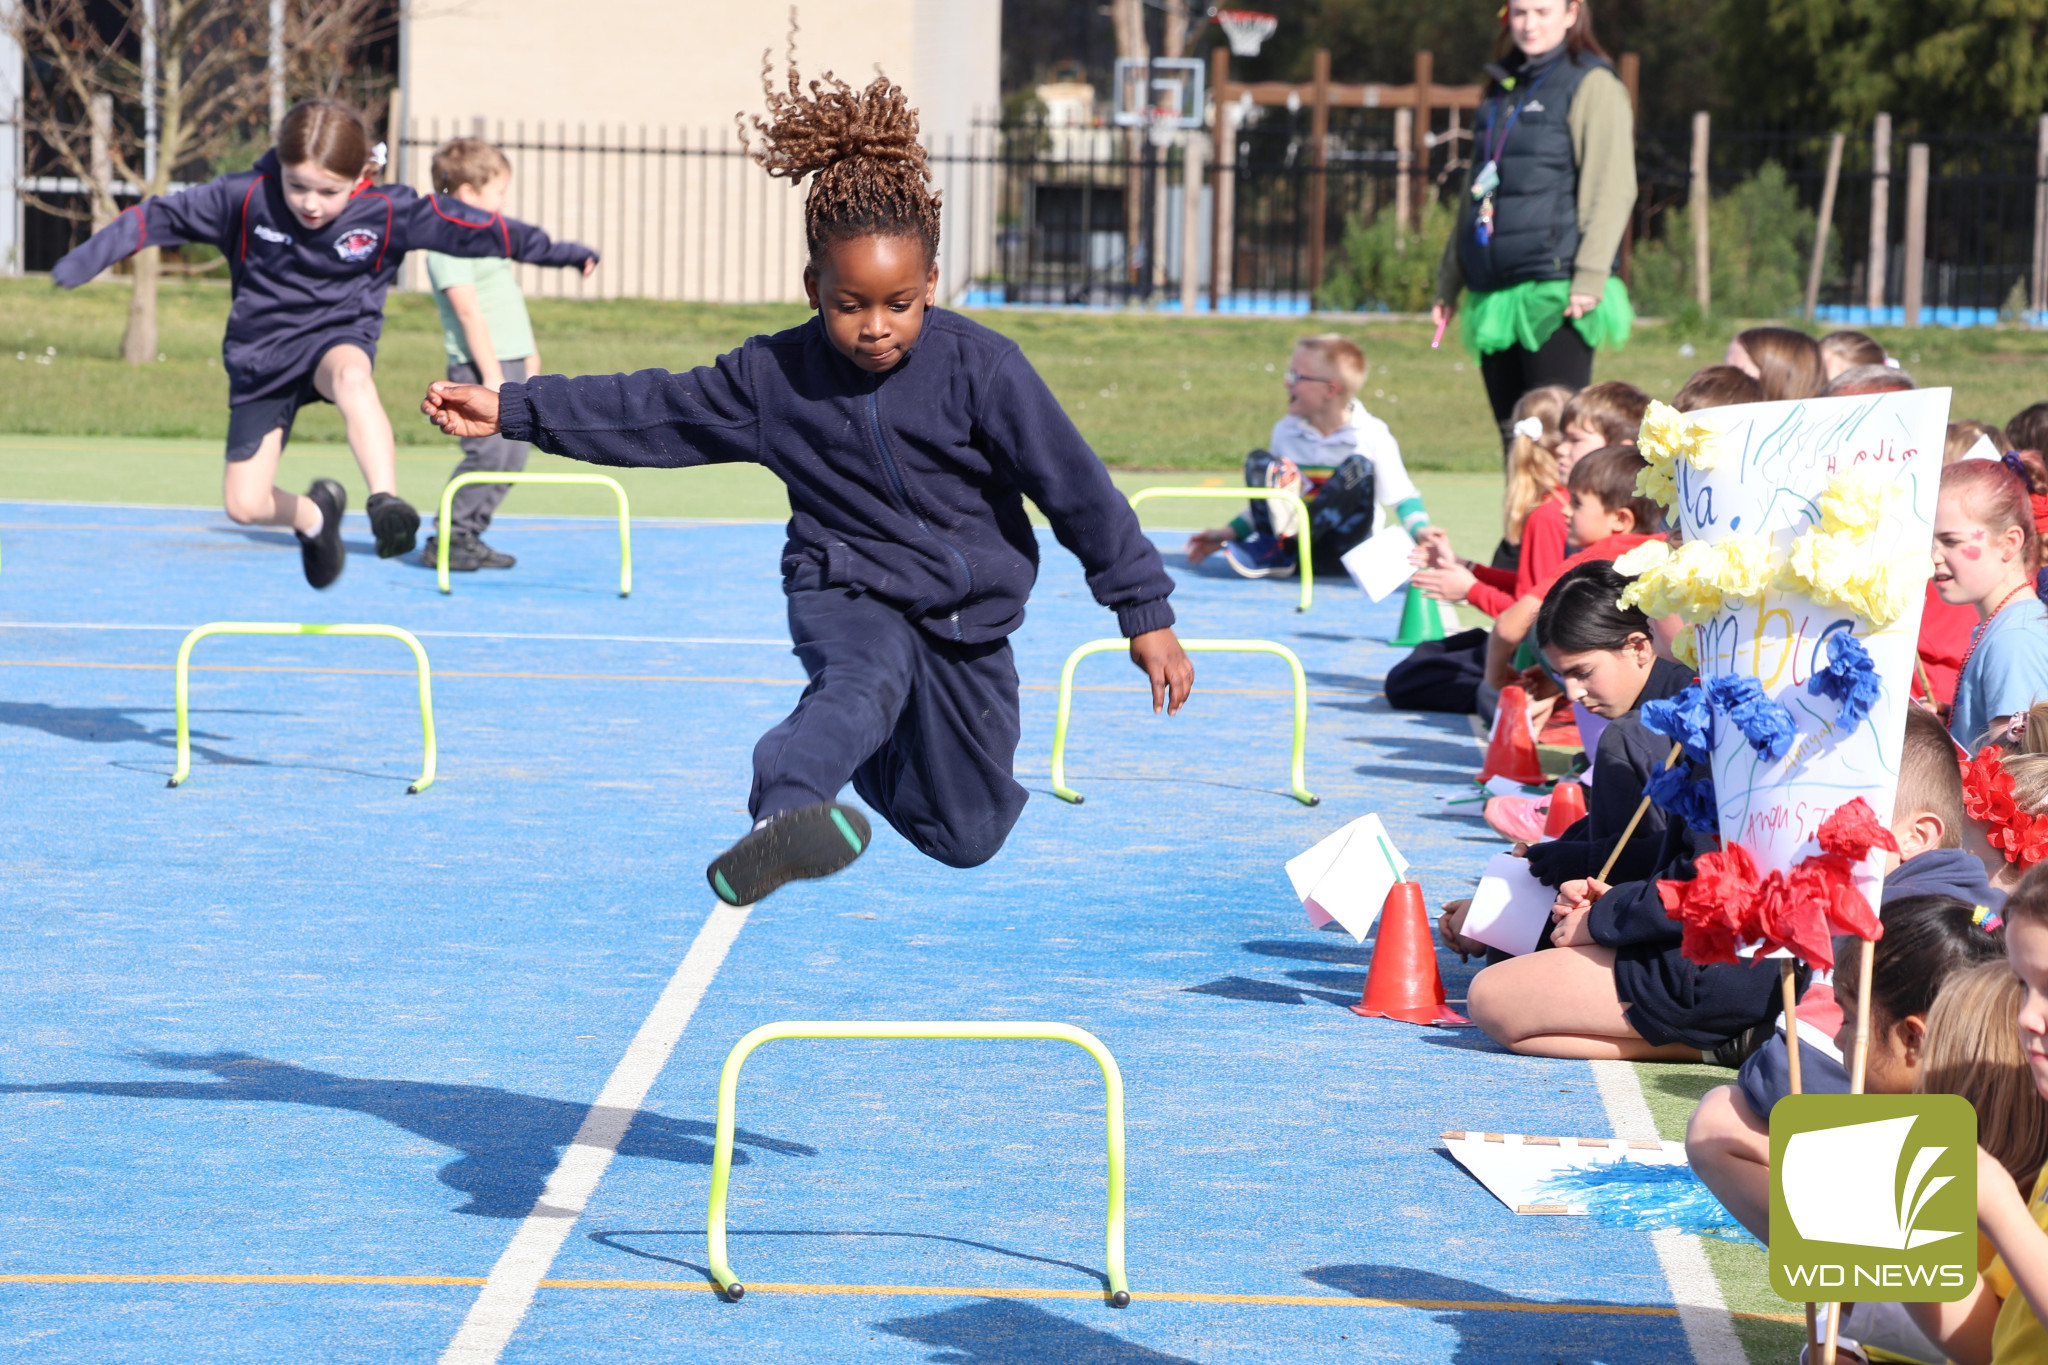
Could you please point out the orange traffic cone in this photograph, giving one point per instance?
(1402, 982)
(1567, 807)
(1511, 751)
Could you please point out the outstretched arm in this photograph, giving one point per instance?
(204, 213)
(436, 222)
(652, 419)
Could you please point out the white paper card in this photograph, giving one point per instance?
(1347, 876)
(1510, 907)
(1379, 563)
(1516, 1168)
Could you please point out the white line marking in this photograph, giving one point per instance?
(446, 634)
(502, 1303)
(1709, 1331)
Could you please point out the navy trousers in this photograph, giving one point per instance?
(925, 730)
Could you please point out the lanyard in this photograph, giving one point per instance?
(1494, 151)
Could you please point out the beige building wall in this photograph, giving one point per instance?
(618, 117)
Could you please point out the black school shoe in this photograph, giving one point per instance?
(324, 554)
(797, 845)
(1733, 1052)
(466, 554)
(396, 525)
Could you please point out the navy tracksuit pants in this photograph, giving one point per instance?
(925, 730)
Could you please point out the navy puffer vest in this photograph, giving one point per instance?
(1536, 206)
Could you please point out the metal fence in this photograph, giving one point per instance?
(1092, 216)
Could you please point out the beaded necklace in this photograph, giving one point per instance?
(1985, 629)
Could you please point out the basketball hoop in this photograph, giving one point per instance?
(1246, 29)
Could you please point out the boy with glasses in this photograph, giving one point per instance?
(1333, 454)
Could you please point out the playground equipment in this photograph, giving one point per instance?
(184, 769)
(728, 1086)
(1059, 731)
(504, 476)
(1305, 559)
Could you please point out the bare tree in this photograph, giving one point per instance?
(187, 82)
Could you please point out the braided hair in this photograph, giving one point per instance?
(870, 177)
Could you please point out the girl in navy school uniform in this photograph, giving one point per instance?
(909, 439)
(312, 244)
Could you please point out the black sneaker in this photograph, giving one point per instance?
(324, 554)
(1733, 1052)
(797, 845)
(466, 554)
(487, 557)
(396, 525)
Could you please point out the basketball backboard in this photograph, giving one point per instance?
(1165, 91)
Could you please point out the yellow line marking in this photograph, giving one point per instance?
(593, 677)
(918, 1290)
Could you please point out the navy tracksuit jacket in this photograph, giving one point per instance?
(298, 292)
(909, 554)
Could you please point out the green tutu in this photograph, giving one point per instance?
(1526, 315)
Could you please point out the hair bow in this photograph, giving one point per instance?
(379, 154)
(1530, 428)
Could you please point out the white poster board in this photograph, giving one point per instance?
(1516, 1167)
(1844, 487)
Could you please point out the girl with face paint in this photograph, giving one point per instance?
(1986, 553)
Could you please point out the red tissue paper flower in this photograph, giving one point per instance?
(1988, 798)
(1727, 903)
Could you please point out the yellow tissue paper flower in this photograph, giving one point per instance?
(1844, 569)
(1857, 500)
(1685, 647)
(1667, 435)
(1654, 481)
(1698, 579)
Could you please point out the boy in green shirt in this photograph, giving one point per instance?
(489, 340)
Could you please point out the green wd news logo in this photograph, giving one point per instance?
(1873, 1198)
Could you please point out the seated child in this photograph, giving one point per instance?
(1786, 362)
(1927, 939)
(1862, 379)
(1717, 386)
(1841, 351)
(1945, 629)
(1546, 1005)
(1994, 1323)
(1594, 418)
(1986, 553)
(1333, 454)
(1606, 660)
(1930, 826)
(1535, 475)
(909, 438)
(1446, 675)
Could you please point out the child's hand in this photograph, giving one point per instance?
(463, 410)
(589, 266)
(1571, 930)
(1433, 549)
(1158, 655)
(1450, 922)
(1575, 896)
(1445, 585)
(1202, 544)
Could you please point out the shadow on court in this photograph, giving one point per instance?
(1510, 1328)
(509, 1142)
(1009, 1332)
(611, 1240)
(114, 725)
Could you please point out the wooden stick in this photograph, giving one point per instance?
(1642, 809)
(1787, 978)
(1926, 683)
(1812, 1334)
(1856, 1075)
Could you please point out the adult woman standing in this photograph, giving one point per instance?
(1542, 214)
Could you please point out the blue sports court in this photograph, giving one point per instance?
(291, 1058)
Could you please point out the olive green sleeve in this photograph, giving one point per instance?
(1602, 124)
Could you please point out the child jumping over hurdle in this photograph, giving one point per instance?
(489, 339)
(311, 244)
(909, 438)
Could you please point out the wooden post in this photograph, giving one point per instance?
(1404, 164)
(1916, 230)
(1827, 219)
(1631, 81)
(1222, 203)
(1425, 77)
(2038, 296)
(1318, 170)
(1700, 207)
(1878, 273)
(1190, 220)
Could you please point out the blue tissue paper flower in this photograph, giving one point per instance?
(1766, 724)
(1693, 801)
(1685, 718)
(1849, 677)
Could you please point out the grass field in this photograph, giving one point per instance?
(1150, 391)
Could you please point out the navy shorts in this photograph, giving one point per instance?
(250, 422)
